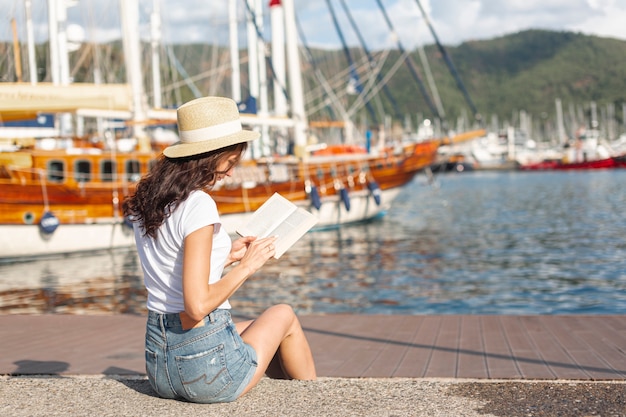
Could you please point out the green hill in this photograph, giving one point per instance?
(525, 71)
(529, 70)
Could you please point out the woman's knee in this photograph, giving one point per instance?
(282, 310)
(284, 313)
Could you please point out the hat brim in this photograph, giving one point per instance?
(181, 150)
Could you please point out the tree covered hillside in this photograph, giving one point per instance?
(525, 71)
(529, 70)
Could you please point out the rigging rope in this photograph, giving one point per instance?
(449, 63)
(353, 74)
(371, 60)
(181, 71)
(318, 74)
(409, 63)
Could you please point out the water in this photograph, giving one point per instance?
(475, 243)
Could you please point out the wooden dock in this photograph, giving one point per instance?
(361, 346)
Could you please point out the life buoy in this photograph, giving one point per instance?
(375, 191)
(314, 195)
(48, 223)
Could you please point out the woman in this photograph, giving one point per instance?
(193, 349)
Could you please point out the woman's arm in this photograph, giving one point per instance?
(201, 298)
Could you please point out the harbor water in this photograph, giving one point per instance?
(471, 243)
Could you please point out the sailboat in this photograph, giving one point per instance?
(589, 149)
(57, 199)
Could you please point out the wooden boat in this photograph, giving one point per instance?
(65, 200)
(61, 201)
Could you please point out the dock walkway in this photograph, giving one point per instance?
(360, 346)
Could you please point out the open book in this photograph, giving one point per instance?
(279, 217)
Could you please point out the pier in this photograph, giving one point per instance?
(351, 346)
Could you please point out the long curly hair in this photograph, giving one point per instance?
(169, 183)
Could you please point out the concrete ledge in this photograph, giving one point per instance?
(123, 396)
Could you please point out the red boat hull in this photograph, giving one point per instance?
(556, 165)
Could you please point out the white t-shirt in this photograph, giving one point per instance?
(162, 258)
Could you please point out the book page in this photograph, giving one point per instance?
(267, 217)
(292, 229)
(279, 217)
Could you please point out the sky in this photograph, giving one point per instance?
(454, 21)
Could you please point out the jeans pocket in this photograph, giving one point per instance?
(155, 369)
(204, 375)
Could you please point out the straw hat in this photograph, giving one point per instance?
(206, 124)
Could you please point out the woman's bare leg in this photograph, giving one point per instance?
(278, 332)
(243, 325)
(275, 369)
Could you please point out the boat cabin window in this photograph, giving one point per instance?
(56, 171)
(133, 173)
(82, 170)
(107, 170)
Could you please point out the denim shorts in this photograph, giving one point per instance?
(207, 364)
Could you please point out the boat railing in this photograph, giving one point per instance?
(36, 176)
(26, 175)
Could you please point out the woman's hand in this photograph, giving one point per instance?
(239, 248)
(258, 252)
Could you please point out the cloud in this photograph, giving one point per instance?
(455, 21)
(609, 21)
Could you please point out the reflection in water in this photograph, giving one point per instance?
(96, 283)
(481, 243)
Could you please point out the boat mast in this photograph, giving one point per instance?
(559, 122)
(295, 77)
(59, 55)
(155, 26)
(53, 43)
(279, 71)
(334, 100)
(263, 109)
(132, 50)
(278, 56)
(234, 50)
(253, 66)
(30, 34)
(16, 52)
(258, 73)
